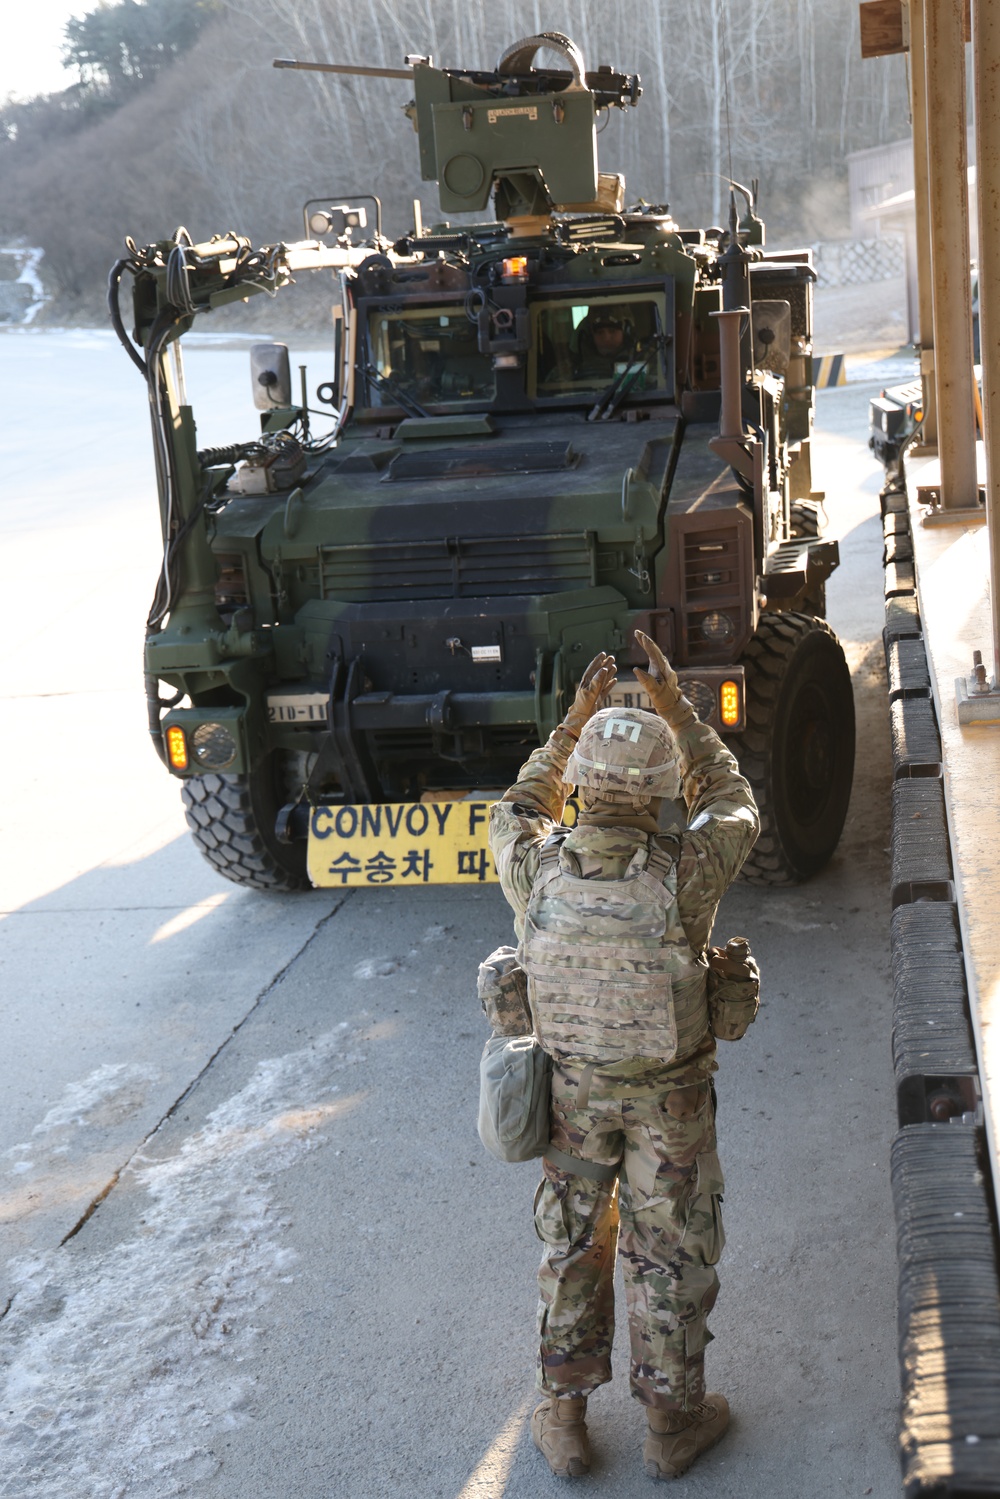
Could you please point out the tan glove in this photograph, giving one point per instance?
(660, 682)
(598, 678)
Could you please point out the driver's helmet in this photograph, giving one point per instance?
(626, 750)
(607, 320)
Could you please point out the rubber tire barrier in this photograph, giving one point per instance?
(231, 819)
(906, 665)
(898, 548)
(900, 578)
(916, 743)
(902, 618)
(794, 660)
(921, 854)
(931, 1033)
(949, 1296)
(949, 1314)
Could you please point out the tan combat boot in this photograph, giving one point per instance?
(676, 1438)
(560, 1434)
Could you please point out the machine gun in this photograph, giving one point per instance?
(526, 134)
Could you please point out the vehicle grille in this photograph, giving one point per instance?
(454, 567)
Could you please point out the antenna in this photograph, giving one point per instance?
(725, 80)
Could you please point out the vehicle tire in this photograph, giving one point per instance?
(797, 750)
(232, 821)
(804, 520)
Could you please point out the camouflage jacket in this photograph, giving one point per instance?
(722, 826)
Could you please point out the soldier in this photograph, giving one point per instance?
(603, 340)
(614, 918)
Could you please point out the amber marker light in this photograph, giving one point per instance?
(729, 704)
(515, 268)
(177, 750)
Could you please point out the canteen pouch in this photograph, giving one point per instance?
(515, 1089)
(733, 989)
(503, 993)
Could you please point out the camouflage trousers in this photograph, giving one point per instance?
(664, 1214)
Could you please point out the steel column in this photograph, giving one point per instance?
(986, 73)
(948, 198)
(925, 298)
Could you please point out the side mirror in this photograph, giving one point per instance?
(271, 376)
(772, 335)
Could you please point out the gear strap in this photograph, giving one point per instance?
(583, 1086)
(574, 1166)
(663, 860)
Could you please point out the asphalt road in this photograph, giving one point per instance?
(251, 1243)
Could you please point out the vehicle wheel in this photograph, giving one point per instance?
(804, 519)
(232, 821)
(797, 750)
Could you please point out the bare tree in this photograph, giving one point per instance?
(220, 140)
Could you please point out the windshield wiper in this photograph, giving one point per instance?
(382, 383)
(611, 398)
(624, 382)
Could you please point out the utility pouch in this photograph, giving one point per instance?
(733, 989)
(515, 1094)
(503, 993)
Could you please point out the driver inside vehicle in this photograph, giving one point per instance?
(605, 339)
(585, 346)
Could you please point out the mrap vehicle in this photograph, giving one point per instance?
(547, 429)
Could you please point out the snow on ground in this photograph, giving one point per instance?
(108, 1095)
(64, 1157)
(123, 1364)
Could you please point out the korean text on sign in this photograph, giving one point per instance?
(401, 843)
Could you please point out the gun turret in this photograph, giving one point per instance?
(527, 135)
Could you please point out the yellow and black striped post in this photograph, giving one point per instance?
(829, 369)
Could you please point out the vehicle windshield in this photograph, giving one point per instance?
(429, 355)
(581, 347)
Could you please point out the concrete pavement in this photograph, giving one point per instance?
(306, 1278)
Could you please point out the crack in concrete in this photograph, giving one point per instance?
(150, 1134)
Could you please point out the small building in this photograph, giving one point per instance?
(881, 197)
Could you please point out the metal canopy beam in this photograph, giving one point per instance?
(921, 204)
(948, 194)
(986, 73)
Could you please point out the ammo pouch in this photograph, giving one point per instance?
(503, 993)
(733, 989)
(515, 1092)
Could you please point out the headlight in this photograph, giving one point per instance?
(717, 627)
(213, 745)
(700, 696)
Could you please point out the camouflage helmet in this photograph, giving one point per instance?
(626, 750)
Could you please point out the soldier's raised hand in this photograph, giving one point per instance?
(599, 676)
(660, 681)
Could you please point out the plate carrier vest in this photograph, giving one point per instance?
(611, 974)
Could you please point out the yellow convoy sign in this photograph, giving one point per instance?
(403, 843)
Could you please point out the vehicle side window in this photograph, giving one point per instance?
(430, 353)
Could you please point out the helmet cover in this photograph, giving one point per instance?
(626, 750)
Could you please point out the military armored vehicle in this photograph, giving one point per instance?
(548, 428)
(893, 418)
